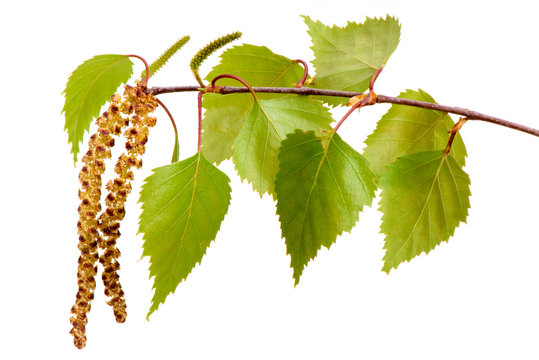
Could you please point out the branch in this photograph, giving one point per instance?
(469, 114)
(225, 90)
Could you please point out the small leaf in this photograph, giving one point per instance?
(407, 130)
(89, 87)
(424, 198)
(347, 57)
(256, 147)
(183, 205)
(225, 115)
(321, 187)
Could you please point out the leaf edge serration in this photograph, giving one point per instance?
(73, 136)
(198, 157)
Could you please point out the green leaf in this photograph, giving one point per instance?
(321, 187)
(183, 205)
(225, 115)
(89, 87)
(347, 57)
(424, 198)
(406, 130)
(256, 147)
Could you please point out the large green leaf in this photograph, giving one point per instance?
(424, 198)
(347, 57)
(256, 147)
(321, 187)
(226, 114)
(183, 205)
(89, 87)
(406, 130)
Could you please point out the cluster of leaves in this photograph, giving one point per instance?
(285, 146)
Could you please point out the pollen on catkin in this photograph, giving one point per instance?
(118, 189)
(110, 123)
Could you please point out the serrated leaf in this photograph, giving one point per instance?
(424, 198)
(89, 87)
(347, 57)
(183, 205)
(406, 130)
(256, 147)
(225, 115)
(321, 187)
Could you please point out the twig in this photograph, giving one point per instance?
(469, 114)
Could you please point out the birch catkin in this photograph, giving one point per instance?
(109, 222)
(103, 231)
(109, 123)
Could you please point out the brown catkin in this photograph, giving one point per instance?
(109, 221)
(110, 123)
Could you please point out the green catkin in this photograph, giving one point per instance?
(162, 60)
(109, 124)
(209, 49)
(109, 221)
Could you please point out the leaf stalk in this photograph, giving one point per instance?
(174, 155)
(144, 81)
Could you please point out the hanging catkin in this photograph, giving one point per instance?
(109, 222)
(109, 123)
(103, 231)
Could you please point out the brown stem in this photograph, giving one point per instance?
(471, 115)
(144, 81)
(374, 77)
(366, 99)
(305, 73)
(224, 90)
(170, 116)
(234, 77)
(355, 106)
(453, 131)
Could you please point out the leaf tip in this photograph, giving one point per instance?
(296, 277)
(387, 268)
(150, 312)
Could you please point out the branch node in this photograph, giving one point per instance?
(369, 98)
(213, 89)
(233, 77)
(458, 125)
(453, 131)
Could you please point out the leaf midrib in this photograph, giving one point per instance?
(324, 157)
(195, 180)
(443, 159)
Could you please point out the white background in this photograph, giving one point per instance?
(472, 298)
